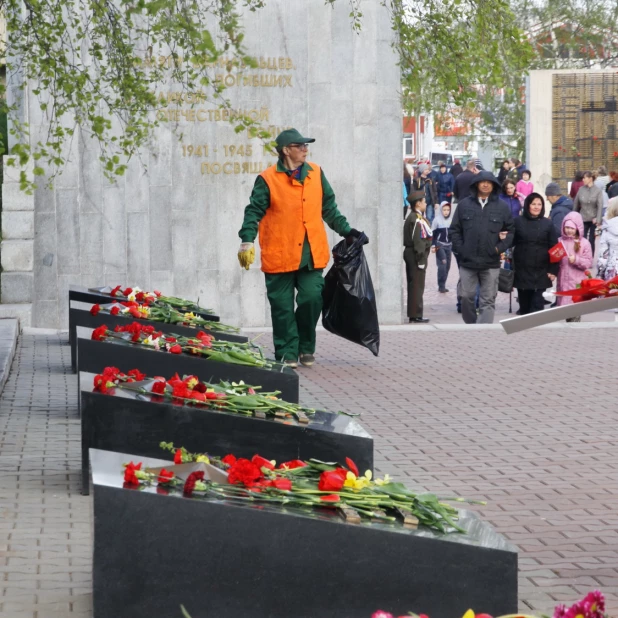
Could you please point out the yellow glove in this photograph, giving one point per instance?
(246, 254)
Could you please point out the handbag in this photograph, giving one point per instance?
(506, 278)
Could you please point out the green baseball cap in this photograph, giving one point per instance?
(291, 136)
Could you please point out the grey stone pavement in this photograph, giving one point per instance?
(526, 422)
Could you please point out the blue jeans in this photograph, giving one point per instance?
(443, 261)
(429, 214)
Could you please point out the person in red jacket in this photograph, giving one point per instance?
(288, 206)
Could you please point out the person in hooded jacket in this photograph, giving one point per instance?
(534, 237)
(481, 230)
(561, 205)
(578, 257)
(456, 168)
(607, 263)
(442, 245)
(446, 185)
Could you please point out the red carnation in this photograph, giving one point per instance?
(139, 297)
(115, 310)
(135, 313)
(100, 384)
(352, 466)
(148, 329)
(159, 387)
(290, 465)
(127, 291)
(200, 387)
(230, 460)
(157, 293)
(176, 349)
(137, 374)
(165, 476)
(260, 462)
(95, 309)
(244, 472)
(197, 396)
(115, 291)
(330, 498)
(282, 484)
(99, 333)
(178, 456)
(170, 339)
(129, 473)
(332, 480)
(111, 373)
(190, 482)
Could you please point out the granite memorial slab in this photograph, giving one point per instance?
(94, 356)
(224, 559)
(79, 315)
(102, 295)
(131, 422)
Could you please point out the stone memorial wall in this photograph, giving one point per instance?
(174, 225)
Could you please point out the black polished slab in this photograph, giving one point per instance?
(96, 295)
(230, 560)
(79, 315)
(94, 356)
(129, 422)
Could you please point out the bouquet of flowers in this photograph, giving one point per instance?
(590, 288)
(202, 344)
(231, 396)
(160, 313)
(310, 484)
(156, 298)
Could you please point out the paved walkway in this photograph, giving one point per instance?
(527, 422)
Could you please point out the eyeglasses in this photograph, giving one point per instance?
(300, 146)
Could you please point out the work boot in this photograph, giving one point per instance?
(307, 359)
(290, 362)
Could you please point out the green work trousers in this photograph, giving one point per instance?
(294, 330)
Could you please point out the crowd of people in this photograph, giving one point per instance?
(491, 223)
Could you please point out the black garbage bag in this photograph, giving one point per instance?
(349, 300)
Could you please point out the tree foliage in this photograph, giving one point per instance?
(563, 34)
(96, 64)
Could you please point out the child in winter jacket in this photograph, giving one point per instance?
(524, 187)
(578, 257)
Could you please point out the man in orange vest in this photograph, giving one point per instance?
(288, 204)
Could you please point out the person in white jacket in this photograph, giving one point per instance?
(607, 263)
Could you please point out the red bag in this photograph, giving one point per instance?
(557, 252)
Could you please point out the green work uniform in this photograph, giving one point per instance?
(293, 330)
(415, 256)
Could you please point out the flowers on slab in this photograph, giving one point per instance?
(200, 344)
(317, 484)
(190, 390)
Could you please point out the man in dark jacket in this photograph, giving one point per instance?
(561, 205)
(464, 180)
(446, 184)
(424, 182)
(481, 230)
(456, 169)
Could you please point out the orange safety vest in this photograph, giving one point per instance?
(295, 210)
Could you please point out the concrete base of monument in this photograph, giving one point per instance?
(79, 315)
(130, 422)
(225, 559)
(94, 356)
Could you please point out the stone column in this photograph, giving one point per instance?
(17, 249)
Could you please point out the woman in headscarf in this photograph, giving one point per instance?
(417, 238)
(442, 245)
(535, 235)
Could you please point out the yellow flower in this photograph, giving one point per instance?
(357, 483)
(133, 294)
(469, 614)
(144, 311)
(189, 316)
(202, 459)
(192, 382)
(385, 481)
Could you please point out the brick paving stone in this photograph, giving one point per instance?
(526, 423)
